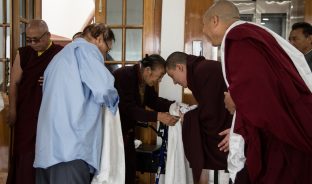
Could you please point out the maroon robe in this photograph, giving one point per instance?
(273, 106)
(132, 110)
(201, 126)
(27, 110)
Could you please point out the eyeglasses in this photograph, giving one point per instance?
(35, 40)
(108, 47)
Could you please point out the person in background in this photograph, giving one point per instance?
(76, 86)
(204, 128)
(136, 88)
(301, 38)
(25, 95)
(269, 86)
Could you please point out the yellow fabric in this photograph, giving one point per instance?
(41, 52)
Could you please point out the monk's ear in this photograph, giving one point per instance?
(180, 67)
(310, 39)
(215, 20)
(49, 35)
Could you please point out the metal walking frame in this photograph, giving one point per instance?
(152, 158)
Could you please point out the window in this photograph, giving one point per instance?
(26, 9)
(4, 43)
(126, 19)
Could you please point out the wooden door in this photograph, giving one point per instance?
(194, 11)
(4, 63)
(14, 16)
(308, 11)
(136, 25)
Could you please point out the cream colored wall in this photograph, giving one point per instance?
(66, 17)
(172, 39)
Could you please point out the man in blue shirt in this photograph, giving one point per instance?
(76, 87)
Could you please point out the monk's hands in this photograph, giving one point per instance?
(230, 106)
(5, 98)
(224, 144)
(40, 80)
(6, 108)
(229, 103)
(167, 119)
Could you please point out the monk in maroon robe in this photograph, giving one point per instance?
(25, 99)
(136, 89)
(203, 125)
(271, 95)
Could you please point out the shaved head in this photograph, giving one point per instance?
(38, 35)
(225, 10)
(217, 19)
(38, 25)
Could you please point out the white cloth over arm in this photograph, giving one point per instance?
(76, 86)
(178, 170)
(112, 168)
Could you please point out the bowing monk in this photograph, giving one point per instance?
(204, 128)
(269, 82)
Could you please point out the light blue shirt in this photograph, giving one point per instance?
(76, 86)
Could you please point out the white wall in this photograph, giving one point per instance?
(66, 17)
(61, 22)
(172, 39)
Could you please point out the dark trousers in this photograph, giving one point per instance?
(130, 158)
(242, 177)
(21, 169)
(73, 172)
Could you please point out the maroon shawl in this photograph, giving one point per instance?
(274, 107)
